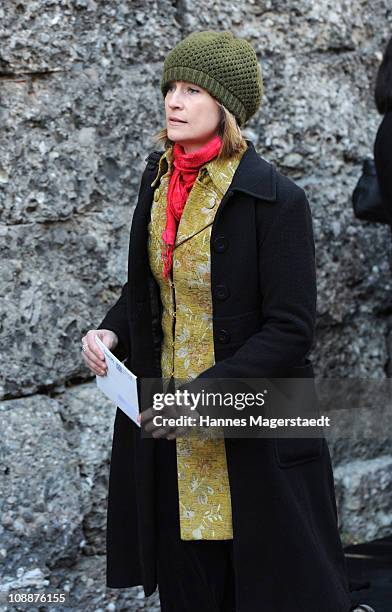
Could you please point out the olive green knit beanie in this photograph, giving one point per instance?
(224, 65)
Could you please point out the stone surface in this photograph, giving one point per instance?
(363, 495)
(87, 418)
(53, 35)
(54, 467)
(44, 278)
(41, 509)
(80, 102)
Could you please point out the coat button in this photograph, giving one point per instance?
(220, 244)
(223, 336)
(222, 292)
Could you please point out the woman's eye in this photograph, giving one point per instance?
(170, 87)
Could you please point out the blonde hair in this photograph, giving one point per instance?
(233, 141)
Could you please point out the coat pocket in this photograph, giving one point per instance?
(290, 452)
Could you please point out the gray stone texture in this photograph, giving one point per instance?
(363, 495)
(54, 466)
(79, 104)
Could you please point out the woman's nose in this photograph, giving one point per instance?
(175, 99)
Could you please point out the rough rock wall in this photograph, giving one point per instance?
(80, 99)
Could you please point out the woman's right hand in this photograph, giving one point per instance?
(92, 354)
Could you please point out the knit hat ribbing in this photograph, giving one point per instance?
(224, 65)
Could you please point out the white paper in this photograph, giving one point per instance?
(119, 384)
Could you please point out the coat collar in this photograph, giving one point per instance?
(254, 175)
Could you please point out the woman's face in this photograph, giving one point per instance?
(198, 111)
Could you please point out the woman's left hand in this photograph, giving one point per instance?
(146, 419)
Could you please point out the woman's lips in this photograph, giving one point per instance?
(176, 122)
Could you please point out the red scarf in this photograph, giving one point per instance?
(186, 169)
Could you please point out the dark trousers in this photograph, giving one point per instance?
(194, 575)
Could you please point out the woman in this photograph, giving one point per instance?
(383, 142)
(221, 284)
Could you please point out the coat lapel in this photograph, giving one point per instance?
(198, 213)
(204, 198)
(200, 209)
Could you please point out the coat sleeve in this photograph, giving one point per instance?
(116, 320)
(287, 276)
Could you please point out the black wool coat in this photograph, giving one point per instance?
(383, 158)
(286, 547)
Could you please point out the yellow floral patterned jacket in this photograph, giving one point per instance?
(188, 346)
